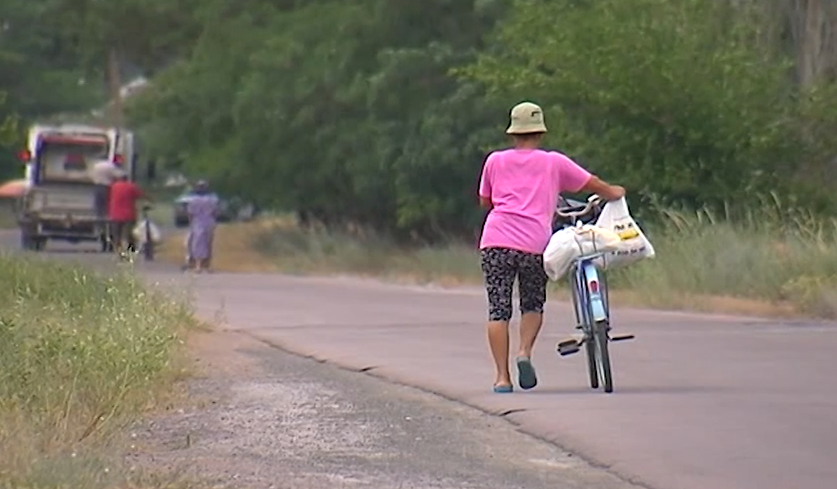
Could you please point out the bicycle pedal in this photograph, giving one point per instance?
(622, 337)
(568, 347)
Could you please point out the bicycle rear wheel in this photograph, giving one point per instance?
(600, 342)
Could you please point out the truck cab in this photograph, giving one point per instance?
(59, 201)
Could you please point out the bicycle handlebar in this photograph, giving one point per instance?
(592, 203)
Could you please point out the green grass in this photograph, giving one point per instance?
(83, 356)
(771, 254)
(772, 260)
(8, 219)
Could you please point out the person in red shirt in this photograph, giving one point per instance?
(122, 211)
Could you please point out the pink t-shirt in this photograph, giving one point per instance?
(523, 186)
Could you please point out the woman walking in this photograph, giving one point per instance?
(520, 187)
(202, 210)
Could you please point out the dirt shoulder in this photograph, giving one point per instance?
(259, 418)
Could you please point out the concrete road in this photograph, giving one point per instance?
(265, 419)
(701, 401)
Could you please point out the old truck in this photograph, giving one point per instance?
(59, 201)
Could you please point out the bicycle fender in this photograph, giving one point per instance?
(591, 275)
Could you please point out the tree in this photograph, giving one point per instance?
(673, 97)
(106, 35)
(342, 110)
(379, 113)
(38, 74)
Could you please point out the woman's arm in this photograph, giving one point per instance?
(485, 183)
(603, 189)
(570, 176)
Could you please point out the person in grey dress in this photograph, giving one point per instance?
(202, 210)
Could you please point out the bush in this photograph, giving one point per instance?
(82, 356)
(375, 113)
(674, 98)
(774, 256)
(320, 250)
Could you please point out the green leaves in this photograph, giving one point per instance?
(380, 112)
(672, 96)
(147, 33)
(343, 110)
(8, 125)
(36, 71)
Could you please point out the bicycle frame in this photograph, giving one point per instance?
(148, 245)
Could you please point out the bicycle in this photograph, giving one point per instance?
(147, 247)
(591, 304)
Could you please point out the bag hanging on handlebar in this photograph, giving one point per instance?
(633, 245)
(153, 231)
(571, 243)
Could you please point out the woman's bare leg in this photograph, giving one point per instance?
(530, 326)
(499, 271)
(532, 299)
(498, 341)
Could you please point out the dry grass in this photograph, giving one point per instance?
(234, 248)
(784, 259)
(772, 263)
(83, 357)
(278, 245)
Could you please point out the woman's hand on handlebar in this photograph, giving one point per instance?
(603, 189)
(618, 192)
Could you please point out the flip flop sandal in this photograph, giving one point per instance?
(503, 389)
(526, 376)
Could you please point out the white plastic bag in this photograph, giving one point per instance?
(153, 231)
(633, 245)
(187, 246)
(568, 244)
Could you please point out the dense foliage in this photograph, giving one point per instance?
(673, 98)
(380, 112)
(35, 76)
(54, 53)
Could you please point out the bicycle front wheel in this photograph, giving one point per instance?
(600, 343)
(584, 316)
(592, 364)
(148, 246)
(148, 251)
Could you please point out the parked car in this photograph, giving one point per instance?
(181, 220)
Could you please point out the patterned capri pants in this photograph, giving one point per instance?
(500, 268)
